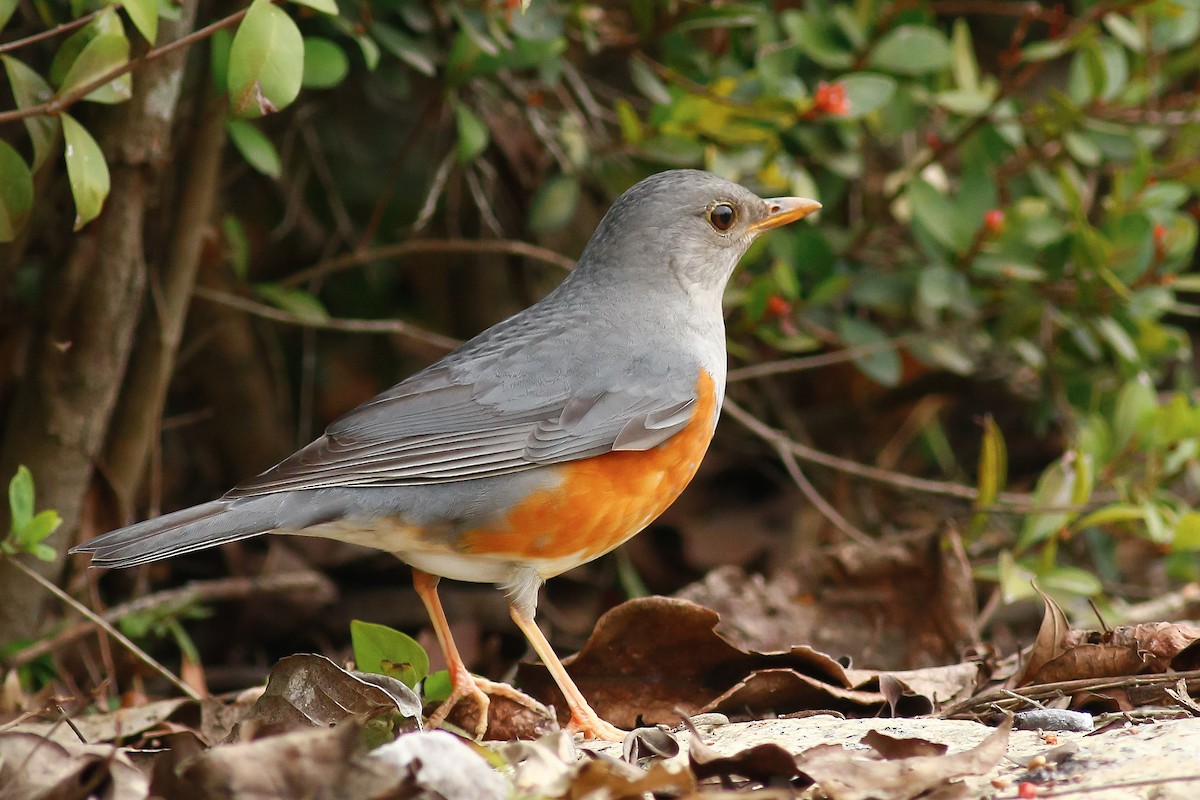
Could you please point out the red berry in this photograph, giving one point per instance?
(830, 98)
(1027, 789)
(1160, 232)
(777, 306)
(993, 221)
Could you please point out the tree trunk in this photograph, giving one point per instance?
(61, 412)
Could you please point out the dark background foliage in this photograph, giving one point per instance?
(987, 331)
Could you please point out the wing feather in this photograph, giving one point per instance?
(435, 427)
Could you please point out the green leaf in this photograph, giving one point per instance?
(821, 43)
(866, 92)
(993, 463)
(266, 61)
(1125, 30)
(20, 498)
(554, 204)
(237, 245)
(255, 147)
(1070, 580)
(411, 51)
(325, 63)
(473, 135)
(7, 7)
(1113, 512)
(39, 528)
(30, 89)
(939, 215)
(966, 68)
(385, 651)
(329, 7)
(912, 50)
(86, 170)
(1055, 488)
(1187, 533)
(144, 16)
(882, 366)
(16, 192)
(1118, 339)
(107, 22)
(941, 287)
(43, 552)
(437, 687)
(219, 47)
(100, 56)
(649, 84)
(297, 302)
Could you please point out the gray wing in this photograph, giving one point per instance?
(434, 428)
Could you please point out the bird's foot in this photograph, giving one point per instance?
(592, 727)
(480, 691)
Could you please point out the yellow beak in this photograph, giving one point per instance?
(782, 210)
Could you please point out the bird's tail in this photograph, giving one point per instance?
(196, 528)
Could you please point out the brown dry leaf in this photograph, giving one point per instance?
(1049, 644)
(785, 691)
(1061, 654)
(306, 691)
(35, 768)
(762, 763)
(891, 747)
(832, 594)
(844, 774)
(605, 778)
(1109, 660)
(650, 659)
(306, 763)
(109, 727)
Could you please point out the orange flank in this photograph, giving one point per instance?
(604, 500)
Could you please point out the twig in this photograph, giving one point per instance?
(65, 27)
(777, 439)
(1049, 690)
(407, 330)
(191, 593)
(104, 625)
(803, 363)
(504, 246)
(822, 505)
(59, 103)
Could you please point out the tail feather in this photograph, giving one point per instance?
(185, 531)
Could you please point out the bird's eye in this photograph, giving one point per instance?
(721, 216)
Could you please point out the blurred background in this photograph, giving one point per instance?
(974, 367)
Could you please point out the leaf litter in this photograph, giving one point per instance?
(317, 730)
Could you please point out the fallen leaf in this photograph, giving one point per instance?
(652, 658)
(843, 774)
(891, 747)
(109, 727)
(434, 762)
(1050, 642)
(763, 763)
(35, 768)
(306, 691)
(303, 763)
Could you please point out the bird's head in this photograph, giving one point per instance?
(684, 226)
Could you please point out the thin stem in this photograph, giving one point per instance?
(104, 625)
(58, 104)
(505, 246)
(409, 331)
(57, 30)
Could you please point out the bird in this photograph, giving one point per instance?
(541, 444)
